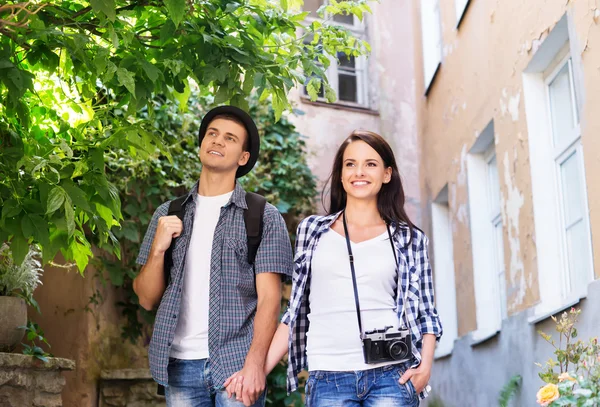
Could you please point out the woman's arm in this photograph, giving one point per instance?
(278, 348)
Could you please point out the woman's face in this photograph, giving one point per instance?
(363, 171)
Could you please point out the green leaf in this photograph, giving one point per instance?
(313, 88)
(40, 231)
(10, 208)
(152, 71)
(222, 95)
(19, 248)
(56, 197)
(183, 97)
(176, 9)
(107, 7)
(78, 197)
(330, 93)
(127, 79)
(70, 217)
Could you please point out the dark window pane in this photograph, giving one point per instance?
(344, 18)
(346, 61)
(312, 6)
(347, 88)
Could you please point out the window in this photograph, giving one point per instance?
(432, 40)
(487, 235)
(347, 75)
(570, 179)
(443, 258)
(560, 203)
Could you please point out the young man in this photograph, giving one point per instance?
(217, 312)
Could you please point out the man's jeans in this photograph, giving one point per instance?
(377, 387)
(190, 385)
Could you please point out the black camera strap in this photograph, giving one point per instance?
(351, 258)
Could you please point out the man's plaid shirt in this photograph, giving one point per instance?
(414, 272)
(233, 296)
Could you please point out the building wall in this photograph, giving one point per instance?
(480, 80)
(392, 112)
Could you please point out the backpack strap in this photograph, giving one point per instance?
(175, 208)
(253, 218)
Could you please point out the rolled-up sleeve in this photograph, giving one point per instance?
(429, 320)
(274, 254)
(162, 210)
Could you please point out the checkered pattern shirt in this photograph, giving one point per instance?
(414, 272)
(233, 296)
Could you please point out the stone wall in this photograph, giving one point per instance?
(128, 388)
(26, 381)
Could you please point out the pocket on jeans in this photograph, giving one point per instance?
(408, 388)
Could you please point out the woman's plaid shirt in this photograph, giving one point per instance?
(414, 272)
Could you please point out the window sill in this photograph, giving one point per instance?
(443, 353)
(479, 336)
(340, 106)
(542, 315)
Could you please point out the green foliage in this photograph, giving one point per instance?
(79, 83)
(578, 362)
(509, 390)
(22, 279)
(277, 389)
(35, 335)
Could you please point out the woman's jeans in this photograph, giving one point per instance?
(378, 387)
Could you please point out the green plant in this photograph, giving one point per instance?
(509, 390)
(577, 382)
(20, 279)
(35, 335)
(277, 389)
(79, 83)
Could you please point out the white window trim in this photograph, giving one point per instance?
(431, 38)
(445, 286)
(543, 155)
(487, 296)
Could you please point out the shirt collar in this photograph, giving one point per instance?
(238, 198)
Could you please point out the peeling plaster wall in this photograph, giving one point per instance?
(480, 79)
(393, 112)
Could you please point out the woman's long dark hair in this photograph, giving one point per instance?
(390, 200)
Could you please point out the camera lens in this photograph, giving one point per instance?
(397, 350)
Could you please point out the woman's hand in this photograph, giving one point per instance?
(419, 377)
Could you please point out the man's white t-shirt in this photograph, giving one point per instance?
(191, 334)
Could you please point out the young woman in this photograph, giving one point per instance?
(361, 317)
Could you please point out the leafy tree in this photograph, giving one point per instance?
(79, 81)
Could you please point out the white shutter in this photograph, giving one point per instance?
(432, 39)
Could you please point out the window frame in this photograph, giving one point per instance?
(561, 152)
(359, 30)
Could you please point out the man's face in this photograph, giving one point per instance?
(222, 147)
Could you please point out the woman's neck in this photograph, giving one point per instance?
(362, 213)
(215, 184)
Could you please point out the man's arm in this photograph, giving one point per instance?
(252, 377)
(149, 285)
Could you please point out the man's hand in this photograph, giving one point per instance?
(168, 228)
(250, 384)
(418, 376)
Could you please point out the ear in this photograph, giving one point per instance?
(388, 175)
(244, 158)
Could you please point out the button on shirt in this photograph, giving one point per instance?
(233, 296)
